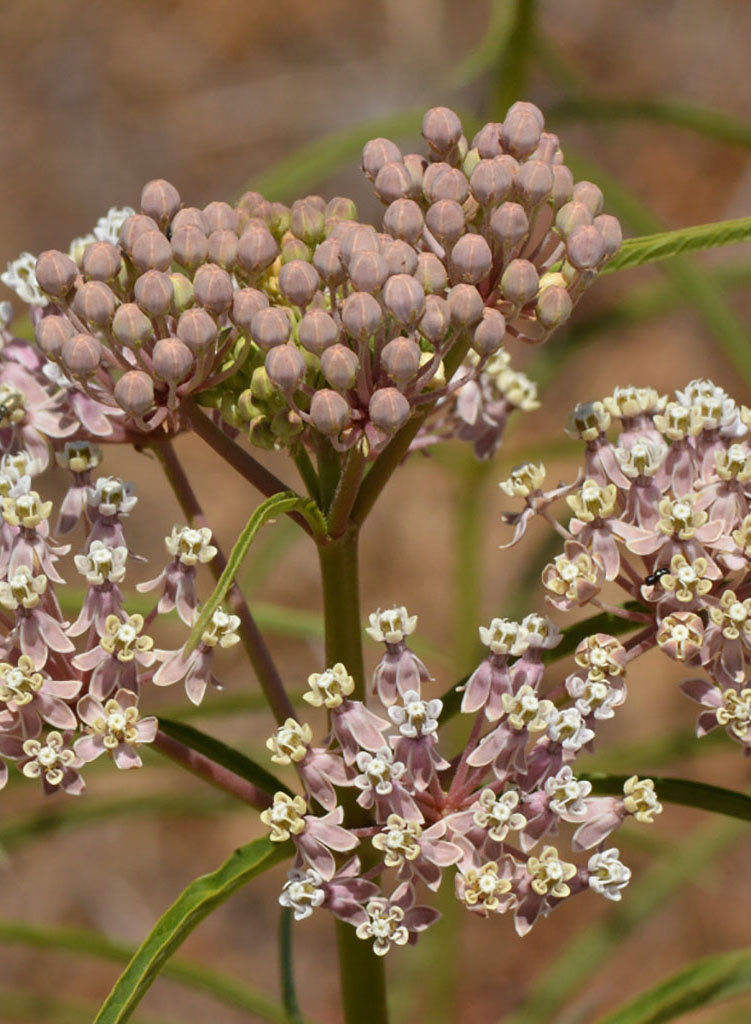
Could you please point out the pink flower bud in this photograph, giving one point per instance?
(134, 392)
(81, 355)
(172, 360)
(55, 272)
(160, 200)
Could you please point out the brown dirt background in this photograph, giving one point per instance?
(95, 99)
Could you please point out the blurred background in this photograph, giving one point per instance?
(652, 99)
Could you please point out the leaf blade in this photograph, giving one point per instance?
(665, 245)
(686, 792)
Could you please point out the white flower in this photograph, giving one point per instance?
(285, 817)
(221, 630)
(290, 742)
(20, 277)
(302, 892)
(102, 563)
(567, 793)
(498, 814)
(107, 228)
(111, 496)
(416, 717)
(500, 636)
(526, 711)
(391, 626)
(190, 545)
(383, 925)
(640, 799)
(595, 696)
(567, 727)
(607, 875)
(398, 840)
(329, 688)
(379, 771)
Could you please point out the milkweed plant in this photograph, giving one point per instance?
(348, 347)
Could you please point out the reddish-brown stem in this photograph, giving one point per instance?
(211, 772)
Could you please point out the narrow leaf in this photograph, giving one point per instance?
(286, 966)
(82, 942)
(666, 244)
(276, 505)
(681, 791)
(701, 984)
(228, 757)
(201, 897)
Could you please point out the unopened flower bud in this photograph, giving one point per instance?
(189, 216)
(183, 296)
(465, 304)
(534, 182)
(585, 248)
(294, 249)
(368, 271)
(172, 360)
(441, 129)
(521, 130)
(134, 392)
(257, 248)
(361, 315)
(358, 238)
(55, 272)
(152, 251)
(220, 216)
(388, 410)
(245, 304)
(452, 184)
(329, 412)
(160, 200)
(436, 320)
(488, 141)
(131, 326)
(196, 329)
(431, 273)
(327, 259)
(445, 220)
(308, 221)
(154, 292)
(400, 359)
(554, 306)
(471, 259)
(317, 331)
(101, 261)
(133, 227)
(81, 355)
(403, 219)
(393, 182)
(489, 333)
(376, 153)
(491, 181)
(213, 288)
(340, 365)
(416, 165)
(509, 224)
(51, 334)
(610, 229)
(400, 257)
(563, 185)
(571, 217)
(190, 246)
(341, 208)
(590, 195)
(270, 327)
(285, 366)
(223, 248)
(298, 282)
(95, 303)
(404, 298)
(520, 282)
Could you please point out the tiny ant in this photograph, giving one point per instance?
(654, 577)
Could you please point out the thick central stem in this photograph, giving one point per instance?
(361, 972)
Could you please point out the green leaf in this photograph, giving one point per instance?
(705, 121)
(201, 897)
(666, 244)
(701, 984)
(289, 993)
(82, 942)
(277, 504)
(228, 757)
(680, 791)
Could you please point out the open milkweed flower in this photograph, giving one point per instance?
(53, 761)
(30, 696)
(189, 548)
(122, 650)
(400, 670)
(114, 727)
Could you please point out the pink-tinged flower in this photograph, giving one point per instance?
(396, 920)
(30, 697)
(380, 780)
(425, 854)
(640, 799)
(525, 715)
(354, 726)
(115, 661)
(344, 894)
(729, 708)
(683, 527)
(537, 634)
(728, 638)
(636, 408)
(303, 892)
(36, 632)
(567, 729)
(492, 677)
(106, 503)
(400, 670)
(641, 463)
(320, 770)
(103, 568)
(189, 547)
(54, 762)
(285, 817)
(115, 727)
(603, 656)
(415, 745)
(588, 422)
(486, 889)
(679, 424)
(594, 509)
(686, 582)
(573, 578)
(81, 458)
(607, 875)
(604, 815)
(30, 545)
(319, 837)
(28, 416)
(539, 886)
(526, 482)
(196, 666)
(595, 697)
(681, 636)
(485, 824)
(92, 416)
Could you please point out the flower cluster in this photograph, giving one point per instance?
(484, 819)
(662, 514)
(296, 322)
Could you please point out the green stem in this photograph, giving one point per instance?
(361, 972)
(346, 492)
